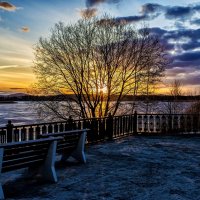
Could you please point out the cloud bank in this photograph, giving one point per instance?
(150, 11)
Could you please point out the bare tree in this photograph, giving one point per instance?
(194, 106)
(173, 106)
(99, 61)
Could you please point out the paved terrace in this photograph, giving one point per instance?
(139, 168)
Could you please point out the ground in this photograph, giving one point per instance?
(138, 168)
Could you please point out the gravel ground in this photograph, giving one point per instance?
(138, 168)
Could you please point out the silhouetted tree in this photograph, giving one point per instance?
(195, 104)
(173, 106)
(97, 60)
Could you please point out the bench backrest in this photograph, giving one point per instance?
(70, 139)
(25, 154)
(69, 143)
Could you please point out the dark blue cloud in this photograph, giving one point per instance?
(122, 20)
(150, 8)
(170, 12)
(151, 11)
(196, 7)
(178, 12)
(191, 45)
(90, 3)
(193, 34)
(189, 56)
(130, 19)
(195, 21)
(158, 31)
(192, 37)
(186, 41)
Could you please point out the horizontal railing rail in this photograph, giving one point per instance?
(107, 128)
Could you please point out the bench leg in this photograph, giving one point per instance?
(47, 170)
(79, 153)
(1, 161)
(1, 192)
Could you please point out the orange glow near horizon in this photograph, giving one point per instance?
(186, 90)
(19, 80)
(16, 79)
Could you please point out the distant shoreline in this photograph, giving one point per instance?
(7, 102)
(71, 97)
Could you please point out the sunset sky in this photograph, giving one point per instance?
(22, 22)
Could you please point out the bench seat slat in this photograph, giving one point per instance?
(23, 159)
(25, 148)
(31, 163)
(24, 154)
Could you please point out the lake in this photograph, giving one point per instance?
(22, 112)
(19, 112)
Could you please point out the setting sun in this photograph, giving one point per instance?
(104, 89)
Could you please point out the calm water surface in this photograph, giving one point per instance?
(22, 112)
(19, 112)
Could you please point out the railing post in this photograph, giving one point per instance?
(109, 127)
(37, 133)
(135, 123)
(9, 131)
(94, 129)
(70, 122)
(170, 124)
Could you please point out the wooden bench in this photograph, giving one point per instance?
(38, 155)
(73, 144)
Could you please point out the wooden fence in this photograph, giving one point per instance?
(109, 128)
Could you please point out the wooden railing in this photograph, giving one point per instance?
(108, 128)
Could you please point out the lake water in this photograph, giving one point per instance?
(19, 112)
(22, 112)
